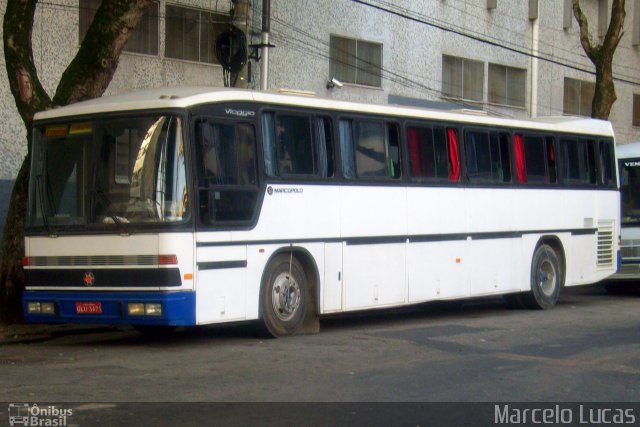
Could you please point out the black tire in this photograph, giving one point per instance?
(546, 279)
(284, 296)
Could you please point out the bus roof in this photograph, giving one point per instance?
(185, 97)
(627, 151)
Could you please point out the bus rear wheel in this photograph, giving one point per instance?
(284, 298)
(546, 279)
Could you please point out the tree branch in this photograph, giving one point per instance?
(614, 32)
(29, 95)
(93, 67)
(584, 30)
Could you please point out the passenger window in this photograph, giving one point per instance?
(297, 145)
(428, 154)
(487, 156)
(294, 151)
(607, 168)
(478, 156)
(369, 149)
(323, 142)
(579, 164)
(534, 155)
(551, 159)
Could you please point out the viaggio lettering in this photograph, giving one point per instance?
(239, 113)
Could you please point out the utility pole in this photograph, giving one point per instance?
(266, 27)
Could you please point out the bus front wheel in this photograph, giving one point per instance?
(546, 279)
(284, 296)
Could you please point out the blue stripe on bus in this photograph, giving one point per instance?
(178, 308)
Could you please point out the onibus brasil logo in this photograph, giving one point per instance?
(25, 414)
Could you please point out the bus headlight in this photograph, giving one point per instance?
(47, 308)
(153, 309)
(135, 309)
(144, 309)
(37, 307)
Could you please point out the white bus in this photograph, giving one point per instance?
(190, 206)
(628, 156)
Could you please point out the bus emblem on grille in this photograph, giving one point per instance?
(89, 279)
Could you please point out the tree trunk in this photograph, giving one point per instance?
(88, 76)
(12, 275)
(602, 56)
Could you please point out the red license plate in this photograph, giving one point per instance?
(83, 307)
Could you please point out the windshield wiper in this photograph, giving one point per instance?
(119, 221)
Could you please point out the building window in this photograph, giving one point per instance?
(636, 109)
(191, 33)
(356, 61)
(578, 95)
(143, 39)
(462, 78)
(507, 85)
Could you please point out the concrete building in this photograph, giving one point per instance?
(513, 59)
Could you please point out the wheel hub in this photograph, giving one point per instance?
(285, 296)
(547, 278)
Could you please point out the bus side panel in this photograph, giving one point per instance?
(437, 252)
(374, 261)
(491, 251)
(436, 271)
(221, 289)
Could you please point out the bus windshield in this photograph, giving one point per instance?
(108, 172)
(630, 190)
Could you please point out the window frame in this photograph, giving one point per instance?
(635, 109)
(509, 88)
(432, 127)
(388, 124)
(448, 83)
(335, 66)
(329, 149)
(581, 105)
(580, 140)
(87, 12)
(200, 11)
(491, 134)
(548, 139)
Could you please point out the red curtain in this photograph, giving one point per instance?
(521, 171)
(414, 151)
(454, 158)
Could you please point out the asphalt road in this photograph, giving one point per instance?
(587, 349)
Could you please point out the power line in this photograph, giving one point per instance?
(495, 25)
(482, 39)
